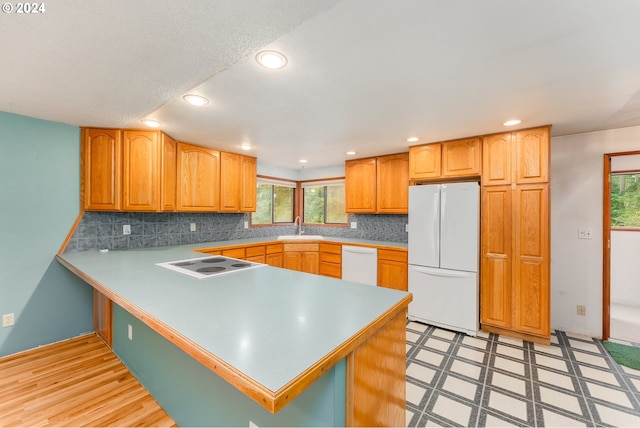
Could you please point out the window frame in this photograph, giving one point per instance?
(325, 182)
(273, 181)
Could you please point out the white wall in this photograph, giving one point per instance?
(625, 269)
(576, 201)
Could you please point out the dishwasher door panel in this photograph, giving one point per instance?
(360, 264)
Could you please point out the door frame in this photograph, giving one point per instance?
(606, 242)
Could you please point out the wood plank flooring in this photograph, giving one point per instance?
(77, 382)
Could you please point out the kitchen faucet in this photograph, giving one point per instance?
(298, 221)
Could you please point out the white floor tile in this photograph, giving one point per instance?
(552, 419)
(408, 349)
(417, 326)
(494, 421)
(440, 345)
(466, 369)
(470, 354)
(555, 379)
(632, 372)
(511, 366)
(600, 375)
(636, 383)
(415, 393)
(554, 363)
(511, 341)
(452, 410)
(408, 416)
(547, 349)
(421, 373)
(460, 387)
(509, 383)
(483, 334)
(609, 394)
(475, 342)
(445, 334)
(590, 359)
(559, 399)
(590, 347)
(508, 405)
(615, 417)
(510, 352)
(413, 337)
(429, 357)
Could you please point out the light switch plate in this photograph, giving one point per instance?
(354, 225)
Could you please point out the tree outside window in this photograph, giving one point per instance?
(625, 200)
(324, 204)
(274, 204)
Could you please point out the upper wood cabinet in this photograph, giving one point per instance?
(168, 184)
(360, 185)
(425, 161)
(141, 171)
(449, 159)
(519, 157)
(237, 183)
(198, 176)
(392, 195)
(377, 185)
(100, 184)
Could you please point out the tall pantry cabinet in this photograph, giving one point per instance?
(515, 256)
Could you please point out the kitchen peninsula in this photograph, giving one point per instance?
(302, 349)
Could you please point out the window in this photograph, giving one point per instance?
(323, 202)
(274, 202)
(625, 200)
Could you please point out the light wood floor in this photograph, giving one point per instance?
(78, 382)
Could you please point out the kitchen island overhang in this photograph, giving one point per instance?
(300, 325)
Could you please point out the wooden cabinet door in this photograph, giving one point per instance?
(292, 260)
(274, 259)
(425, 161)
(496, 257)
(168, 169)
(531, 259)
(360, 186)
(230, 182)
(393, 270)
(311, 262)
(100, 185)
(248, 174)
(461, 157)
(497, 160)
(141, 171)
(393, 184)
(532, 155)
(198, 178)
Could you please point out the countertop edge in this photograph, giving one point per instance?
(273, 401)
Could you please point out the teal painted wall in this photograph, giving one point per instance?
(39, 194)
(195, 396)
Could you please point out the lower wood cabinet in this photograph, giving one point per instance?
(102, 317)
(331, 260)
(393, 269)
(274, 255)
(302, 257)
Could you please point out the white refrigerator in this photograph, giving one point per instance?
(444, 255)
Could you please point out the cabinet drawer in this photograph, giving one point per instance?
(254, 251)
(275, 248)
(400, 256)
(258, 259)
(330, 269)
(235, 253)
(330, 257)
(301, 247)
(331, 248)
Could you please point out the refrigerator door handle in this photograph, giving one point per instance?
(441, 272)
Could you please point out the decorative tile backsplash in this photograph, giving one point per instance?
(103, 230)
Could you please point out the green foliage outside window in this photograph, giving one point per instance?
(324, 205)
(625, 200)
(274, 204)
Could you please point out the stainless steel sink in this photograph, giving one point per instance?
(299, 237)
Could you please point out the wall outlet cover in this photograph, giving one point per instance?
(8, 320)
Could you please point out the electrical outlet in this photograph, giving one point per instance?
(126, 229)
(588, 234)
(8, 320)
(246, 225)
(406, 227)
(582, 233)
(130, 332)
(193, 227)
(581, 310)
(354, 225)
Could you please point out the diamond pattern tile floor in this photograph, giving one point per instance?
(491, 380)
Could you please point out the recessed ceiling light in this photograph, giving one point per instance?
(151, 123)
(303, 161)
(196, 100)
(412, 139)
(351, 153)
(512, 122)
(271, 59)
(245, 146)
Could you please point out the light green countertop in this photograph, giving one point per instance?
(269, 324)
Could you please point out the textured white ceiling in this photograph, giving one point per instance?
(362, 74)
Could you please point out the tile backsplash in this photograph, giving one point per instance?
(103, 230)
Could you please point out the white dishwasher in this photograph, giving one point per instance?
(360, 264)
